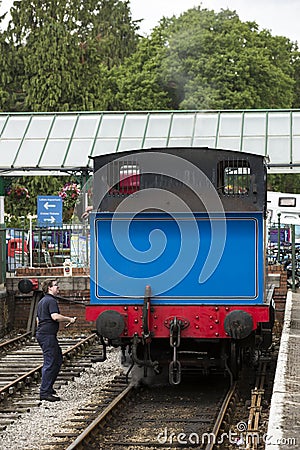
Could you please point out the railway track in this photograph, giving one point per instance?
(121, 415)
(21, 362)
(196, 414)
(140, 417)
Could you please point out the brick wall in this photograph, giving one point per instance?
(48, 272)
(6, 313)
(280, 292)
(74, 290)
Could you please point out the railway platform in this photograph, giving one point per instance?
(284, 422)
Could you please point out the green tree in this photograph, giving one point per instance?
(296, 64)
(86, 55)
(284, 182)
(9, 72)
(4, 95)
(66, 49)
(139, 82)
(216, 61)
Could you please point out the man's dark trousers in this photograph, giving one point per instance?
(52, 362)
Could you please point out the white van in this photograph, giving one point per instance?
(288, 205)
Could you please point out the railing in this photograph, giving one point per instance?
(284, 249)
(52, 246)
(47, 247)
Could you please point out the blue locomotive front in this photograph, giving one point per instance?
(178, 257)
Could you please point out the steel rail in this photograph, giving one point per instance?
(221, 415)
(14, 340)
(26, 378)
(79, 441)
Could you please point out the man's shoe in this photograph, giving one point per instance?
(50, 398)
(54, 392)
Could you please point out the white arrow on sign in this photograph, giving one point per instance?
(48, 205)
(51, 219)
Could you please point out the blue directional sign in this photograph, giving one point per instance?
(49, 210)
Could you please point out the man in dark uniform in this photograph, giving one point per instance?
(48, 318)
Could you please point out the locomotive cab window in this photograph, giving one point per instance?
(124, 178)
(234, 177)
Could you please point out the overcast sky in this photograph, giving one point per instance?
(281, 17)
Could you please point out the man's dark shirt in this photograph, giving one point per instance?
(47, 306)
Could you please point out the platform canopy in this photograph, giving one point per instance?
(39, 143)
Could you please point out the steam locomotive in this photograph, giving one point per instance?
(178, 272)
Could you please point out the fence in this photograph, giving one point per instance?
(52, 246)
(47, 247)
(284, 249)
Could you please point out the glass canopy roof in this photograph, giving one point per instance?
(63, 142)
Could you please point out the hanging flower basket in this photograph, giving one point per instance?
(69, 194)
(18, 193)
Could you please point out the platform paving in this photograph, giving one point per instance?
(284, 422)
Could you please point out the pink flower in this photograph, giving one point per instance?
(69, 194)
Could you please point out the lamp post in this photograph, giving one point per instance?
(30, 242)
(278, 239)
